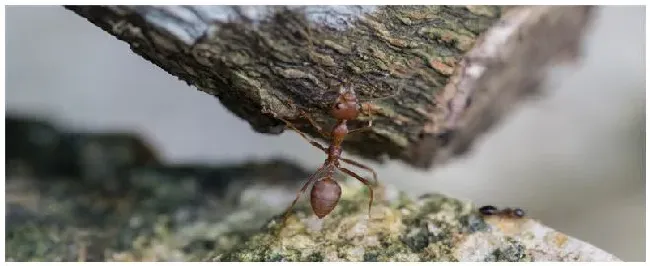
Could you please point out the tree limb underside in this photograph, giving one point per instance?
(446, 73)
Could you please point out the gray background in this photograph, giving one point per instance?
(573, 159)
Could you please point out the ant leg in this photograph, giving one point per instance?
(362, 166)
(312, 142)
(310, 180)
(364, 181)
(314, 124)
(368, 126)
(365, 108)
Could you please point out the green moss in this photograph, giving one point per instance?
(347, 206)
(291, 255)
(315, 257)
(473, 223)
(275, 257)
(389, 250)
(417, 239)
(370, 257)
(33, 243)
(513, 251)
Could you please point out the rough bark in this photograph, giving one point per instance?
(432, 62)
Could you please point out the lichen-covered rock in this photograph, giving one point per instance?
(118, 209)
(205, 214)
(430, 228)
(79, 196)
(167, 213)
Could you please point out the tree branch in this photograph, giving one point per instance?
(263, 62)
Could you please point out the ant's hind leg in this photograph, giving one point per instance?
(312, 142)
(362, 166)
(365, 182)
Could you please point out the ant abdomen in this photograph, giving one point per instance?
(519, 213)
(325, 194)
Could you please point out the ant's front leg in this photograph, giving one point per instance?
(320, 130)
(367, 109)
(312, 142)
(368, 126)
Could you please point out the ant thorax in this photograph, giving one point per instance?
(345, 110)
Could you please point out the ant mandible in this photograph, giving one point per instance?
(490, 210)
(326, 192)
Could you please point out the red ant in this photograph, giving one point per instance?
(490, 210)
(326, 192)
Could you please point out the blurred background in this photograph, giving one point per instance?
(574, 159)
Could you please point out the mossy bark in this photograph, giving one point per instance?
(265, 62)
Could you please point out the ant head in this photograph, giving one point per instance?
(488, 210)
(325, 194)
(346, 106)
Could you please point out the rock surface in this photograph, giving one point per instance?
(162, 214)
(77, 196)
(64, 205)
(430, 228)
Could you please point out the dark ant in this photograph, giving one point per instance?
(490, 210)
(326, 192)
